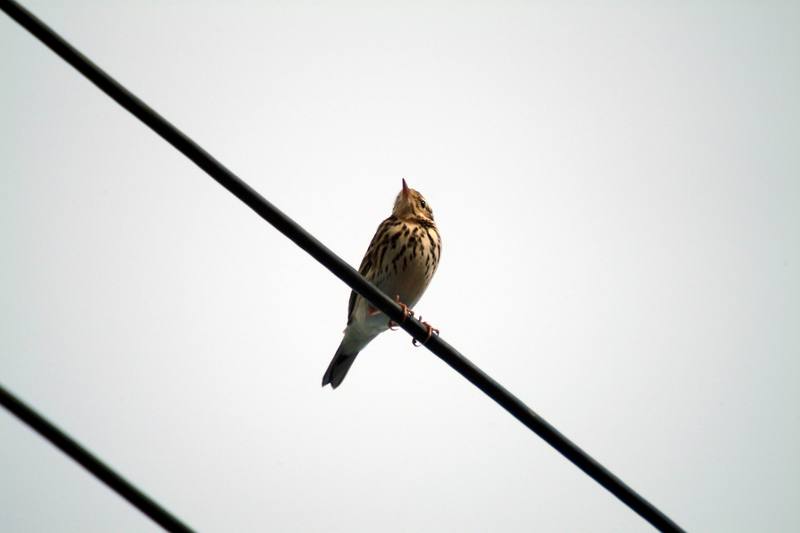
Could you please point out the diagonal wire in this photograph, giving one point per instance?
(338, 267)
(91, 463)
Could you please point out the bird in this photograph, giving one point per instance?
(401, 260)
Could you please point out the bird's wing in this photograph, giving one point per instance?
(370, 264)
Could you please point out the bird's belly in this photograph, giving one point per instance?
(410, 281)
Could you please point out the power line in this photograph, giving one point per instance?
(85, 458)
(338, 267)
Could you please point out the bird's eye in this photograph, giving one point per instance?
(422, 204)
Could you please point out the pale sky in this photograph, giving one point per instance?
(617, 186)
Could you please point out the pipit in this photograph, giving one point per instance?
(400, 260)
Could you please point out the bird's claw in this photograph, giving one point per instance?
(431, 331)
(407, 312)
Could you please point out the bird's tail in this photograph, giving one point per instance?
(339, 366)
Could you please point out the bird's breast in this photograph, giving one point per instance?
(412, 263)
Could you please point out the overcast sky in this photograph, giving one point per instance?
(617, 185)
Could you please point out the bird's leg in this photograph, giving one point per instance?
(407, 312)
(431, 331)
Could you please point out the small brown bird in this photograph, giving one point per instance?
(400, 260)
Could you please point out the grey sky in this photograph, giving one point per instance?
(617, 186)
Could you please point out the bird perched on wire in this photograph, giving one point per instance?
(400, 260)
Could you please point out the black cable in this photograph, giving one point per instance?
(63, 442)
(337, 266)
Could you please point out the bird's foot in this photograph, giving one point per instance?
(431, 331)
(407, 312)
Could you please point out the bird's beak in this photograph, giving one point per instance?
(406, 190)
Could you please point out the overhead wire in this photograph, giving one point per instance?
(338, 267)
(91, 463)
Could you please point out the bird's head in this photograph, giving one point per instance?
(410, 205)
